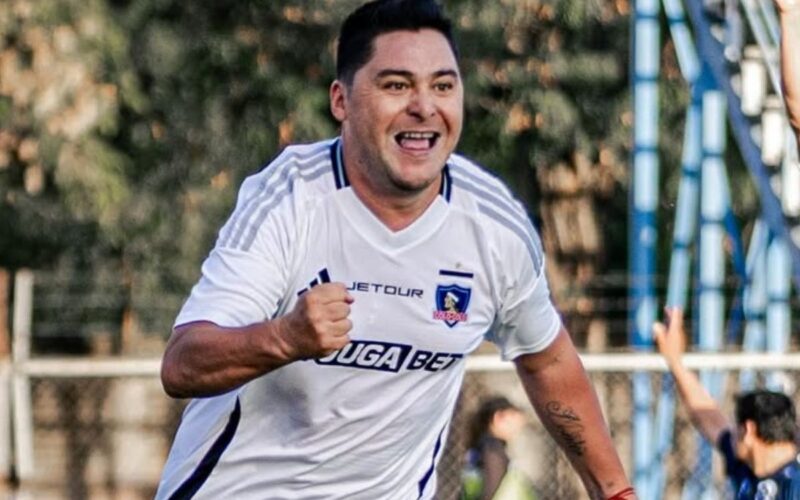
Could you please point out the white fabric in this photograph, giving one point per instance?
(365, 422)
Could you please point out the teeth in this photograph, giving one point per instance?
(418, 135)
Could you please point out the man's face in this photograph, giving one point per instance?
(402, 114)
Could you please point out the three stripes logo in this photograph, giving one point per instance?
(322, 277)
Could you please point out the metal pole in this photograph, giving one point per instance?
(712, 54)
(755, 299)
(643, 236)
(5, 419)
(679, 272)
(714, 204)
(685, 226)
(22, 414)
(778, 313)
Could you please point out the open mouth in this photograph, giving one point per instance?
(417, 140)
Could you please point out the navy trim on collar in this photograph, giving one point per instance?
(446, 188)
(337, 163)
(341, 180)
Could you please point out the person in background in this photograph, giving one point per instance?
(489, 474)
(789, 12)
(759, 450)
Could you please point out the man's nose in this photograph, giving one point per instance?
(422, 104)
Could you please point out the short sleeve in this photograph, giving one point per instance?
(245, 276)
(527, 321)
(736, 470)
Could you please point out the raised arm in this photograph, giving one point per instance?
(203, 359)
(564, 399)
(703, 410)
(789, 11)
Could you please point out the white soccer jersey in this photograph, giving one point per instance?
(370, 420)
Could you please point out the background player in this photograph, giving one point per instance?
(307, 390)
(760, 452)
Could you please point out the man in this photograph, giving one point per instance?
(760, 452)
(317, 343)
(789, 12)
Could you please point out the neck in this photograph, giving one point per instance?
(771, 457)
(395, 208)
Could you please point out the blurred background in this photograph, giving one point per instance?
(126, 127)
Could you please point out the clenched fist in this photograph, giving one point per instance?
(318, 325)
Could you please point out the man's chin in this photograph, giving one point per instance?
(412, 186)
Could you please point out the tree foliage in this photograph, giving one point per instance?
(126, 126)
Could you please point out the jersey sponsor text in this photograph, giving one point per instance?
(389, 357)
(362, 286)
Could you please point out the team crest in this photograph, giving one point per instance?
(451, 304)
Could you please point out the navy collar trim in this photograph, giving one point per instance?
(339, 173)
(341, 180)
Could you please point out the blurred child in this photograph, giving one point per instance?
(489, 474)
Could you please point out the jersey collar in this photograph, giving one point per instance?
(341, 180)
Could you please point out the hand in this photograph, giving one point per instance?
(670, 337)
(318, 325)
(785, 6)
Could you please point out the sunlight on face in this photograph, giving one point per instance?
(402, 116)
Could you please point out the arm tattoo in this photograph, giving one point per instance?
(568, 426)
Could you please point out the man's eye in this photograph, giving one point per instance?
(444, 87)
(396, 86)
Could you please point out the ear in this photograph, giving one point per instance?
(750, 431)
(338, 97)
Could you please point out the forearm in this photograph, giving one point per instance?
(203, 359)
(700, 405)
(790, 62)
(564, 399)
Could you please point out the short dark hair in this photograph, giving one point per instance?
(375, 18)
(484, 415)
(772, 412)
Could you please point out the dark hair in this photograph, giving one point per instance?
(375, 18)
(772, 412)
(484, 415)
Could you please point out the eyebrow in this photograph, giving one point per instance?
(408, 74)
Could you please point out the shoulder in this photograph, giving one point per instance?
(296, 163)
(738, 471)
(479, 182)
(299, 172)
(280, 191)
(791, 473)
(725, 445)
(491, 200)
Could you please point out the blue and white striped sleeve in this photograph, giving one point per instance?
(527, 321)
(245, 276)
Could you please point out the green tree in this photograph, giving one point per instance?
(127, 126)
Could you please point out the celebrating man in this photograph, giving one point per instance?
(325, 340)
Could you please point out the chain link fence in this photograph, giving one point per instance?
(107, 437)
